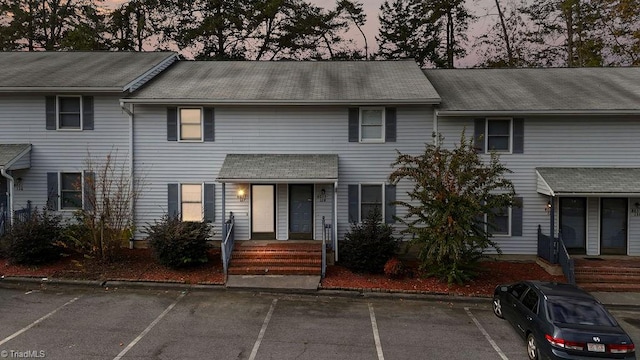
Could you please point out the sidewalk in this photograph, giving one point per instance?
(618, 299)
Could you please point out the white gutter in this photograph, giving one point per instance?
(131, 170)
(64, 89)
(281, 102)
(3, 172)
(273, 181)
(454, 113)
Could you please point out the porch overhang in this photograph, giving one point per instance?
(579, 181)
(15, 156)
(279, 168)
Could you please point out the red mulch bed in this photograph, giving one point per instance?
(493, 273)
(132, 265)
(139, 265)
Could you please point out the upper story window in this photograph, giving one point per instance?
(70, 191)
(499, 135)
(191, 205)
(372, 122)
(70, 112)
(190, 124)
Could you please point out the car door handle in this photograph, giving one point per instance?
(529, 318)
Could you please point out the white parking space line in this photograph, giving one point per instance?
(145, 331)
(486, 335)
(256, 346)
(17, 333)
(376, 334)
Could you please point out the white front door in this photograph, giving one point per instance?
(263, 209)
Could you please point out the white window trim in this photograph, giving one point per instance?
(509, 221)
(486, 137)
(201, 199)
(58, 113)
(180, 139)
(384, 197)
(383, 122)
(60, 190)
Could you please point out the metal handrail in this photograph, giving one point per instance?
(567, 263)
(544, 243)
(324, 247)
(227, 243)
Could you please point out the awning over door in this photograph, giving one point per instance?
(279, 168)
(15, 156)
(588, 181)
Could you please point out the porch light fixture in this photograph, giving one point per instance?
(547, 209)
(242, 195)
(322, 196)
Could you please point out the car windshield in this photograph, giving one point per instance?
(574, 311)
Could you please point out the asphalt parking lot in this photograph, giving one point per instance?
(152, 324)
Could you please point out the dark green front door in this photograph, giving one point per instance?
(301, 212)
(573, 224)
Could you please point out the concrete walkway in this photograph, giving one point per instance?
(273, 282)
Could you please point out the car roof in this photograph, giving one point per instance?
(560, 290)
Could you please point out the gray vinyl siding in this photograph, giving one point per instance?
(270, 130)
(322, 208)
(570, 141)
(23, 163)
(593, 226)
(22, 120)
(634, 227)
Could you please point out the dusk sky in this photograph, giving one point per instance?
(484, 9)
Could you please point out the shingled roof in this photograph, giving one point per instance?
(273, 168)
(589, 181)
(538, 90)
(77, 71)
(290, 82)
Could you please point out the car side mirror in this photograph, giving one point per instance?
(504, 288)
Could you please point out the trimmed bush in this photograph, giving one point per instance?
(394, 268)
(368, 246)
(178, 244)
(34, 241)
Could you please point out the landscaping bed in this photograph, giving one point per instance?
(139, 265)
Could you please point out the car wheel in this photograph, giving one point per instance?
(497, 307)
(532, 347)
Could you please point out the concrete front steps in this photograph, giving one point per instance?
(608, 275)
(276, 258)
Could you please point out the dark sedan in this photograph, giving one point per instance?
(561, 321)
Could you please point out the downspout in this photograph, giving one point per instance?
(131, 172)
(435, 135)
(335, 220)
(10, 191)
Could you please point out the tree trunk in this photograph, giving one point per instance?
(505, 34)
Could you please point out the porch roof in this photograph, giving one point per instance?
(279, 168)
(579, 181)
(11, 154)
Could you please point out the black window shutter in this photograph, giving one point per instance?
(172, 124)
(89, 190)
(50, 105)
(353, 204)
(87, 113)
(209, 124)
(172, 196)
(209, 202)
(354, 124)
(518, 136)
(52, 191)
(516, 217)
(390, 207)
(390, 124)
(478, 135)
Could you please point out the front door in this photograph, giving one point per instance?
(613, 226)
(263, 212)
(301, 212)
(573, 224)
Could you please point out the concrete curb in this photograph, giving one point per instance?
(49, 281)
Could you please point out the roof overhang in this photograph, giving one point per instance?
(576, 181)
(467, 113)
(279, 168)
(279, 102)
(57, 89)
(15, 156)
